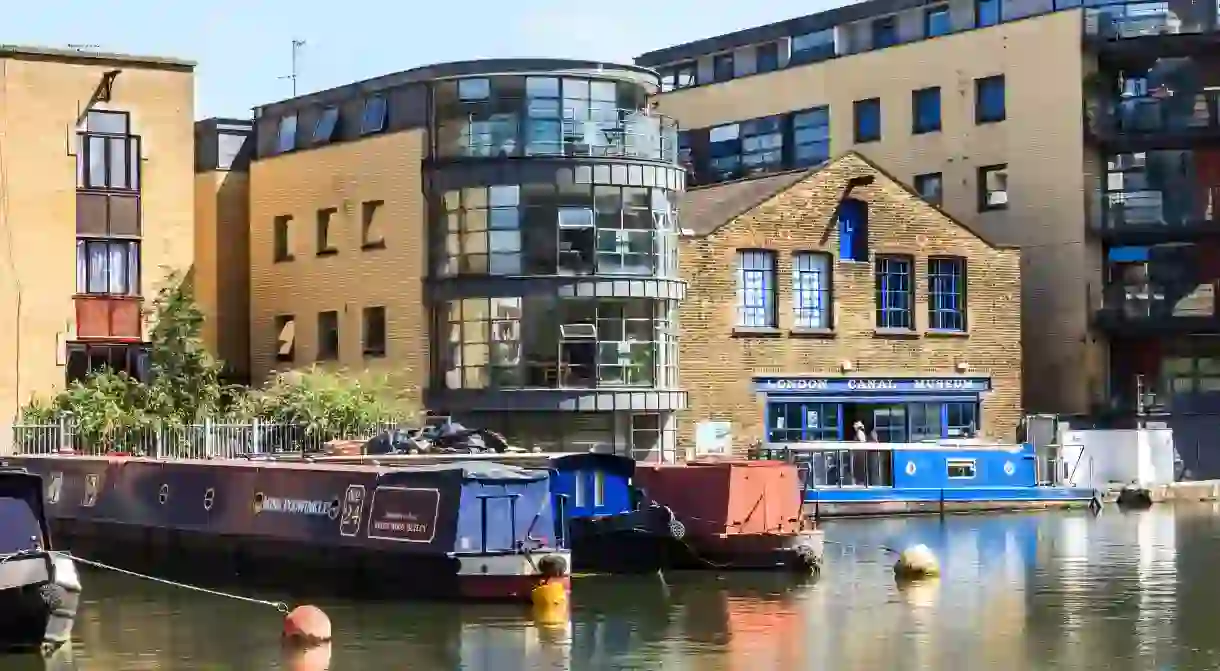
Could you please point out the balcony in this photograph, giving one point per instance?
(108, 317)
(1165, 289)
(1160, 121)
(1182, 213)
(1133, 32)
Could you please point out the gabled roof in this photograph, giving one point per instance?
(704, 209)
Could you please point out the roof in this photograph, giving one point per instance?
(773, 31)
(704, 209)
(477, 470)
(93, 57)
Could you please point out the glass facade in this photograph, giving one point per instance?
(553, 251)
(793, 421)
(503, 116)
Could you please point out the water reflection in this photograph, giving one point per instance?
(1019, 592)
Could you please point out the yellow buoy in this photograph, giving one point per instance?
(917, 561)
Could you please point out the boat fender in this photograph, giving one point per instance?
(1134, 498)
(306, 626)
(917, 561)
(549, 597)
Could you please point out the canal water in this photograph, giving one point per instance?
(1021, 592)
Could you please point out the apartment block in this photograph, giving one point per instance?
(834, 302)
(98, 202)
(1083, 135)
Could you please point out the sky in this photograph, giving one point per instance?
(244, 47)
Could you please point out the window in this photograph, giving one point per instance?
(286, 138)
(894, 297)
(722, 67)
(987, 13)
(766, 57)
(85, 358)
(961, 420)
(724, 151)
(373, 118)
(107, 122)
(756, 289)
(108, 161)
(679, 76)
(925, 110)
(989, 104)
(483, 235)
(282, 232)
(373, 335)
(107, 215)
(811, 137)
(812, 47)
(848, 468)
(936, 21)
(885, 32)
(947, 294)
(328, 335)
(925, 421)
(811, 296)
(868, 120)
(762, 144)
(108, 267)
(853, 230)
(653, 438)
(993, 187)
(484, 343)
(325, 244)
(796, 422)
(890, 424)
(929, 186)
(960, 469)
(325, 128)
(285, 338)
(371, 236)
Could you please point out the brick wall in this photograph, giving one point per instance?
(717, 365)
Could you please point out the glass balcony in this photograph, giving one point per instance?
(1161, 284)
(1143, 19)
(1167, 112)
(546, 128)
(1159, 192)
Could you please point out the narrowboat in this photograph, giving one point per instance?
(39, 589)
(861, 478)
(468, 529)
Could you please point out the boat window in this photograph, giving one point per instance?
(579, 492)
(847, 468)
(960, 468)
(599, 489)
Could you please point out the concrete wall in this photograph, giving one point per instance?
(717, 364)
(343, 176)
(1041, 141)
(42, 96)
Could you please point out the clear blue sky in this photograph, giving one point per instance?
(244, 46)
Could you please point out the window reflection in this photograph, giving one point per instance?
(566, 116)
(558, 229)
(545, 342)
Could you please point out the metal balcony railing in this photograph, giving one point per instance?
(1144, 19)
(1175, 207)
(1164, 112)
(1136, 302)
(542, 127)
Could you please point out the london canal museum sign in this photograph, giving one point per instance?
(848, 385)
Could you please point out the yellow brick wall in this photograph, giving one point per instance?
(40, 101)
(716, 365)
(222, 265)
(342, 176)
(1041, 141)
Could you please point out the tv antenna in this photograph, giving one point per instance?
(84, 47)
(296, 50)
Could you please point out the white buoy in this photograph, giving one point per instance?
(917, 561)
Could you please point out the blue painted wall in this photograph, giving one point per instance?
(930, 468)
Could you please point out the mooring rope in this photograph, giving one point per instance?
(279, 606)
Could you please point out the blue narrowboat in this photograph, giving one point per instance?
(861, 478)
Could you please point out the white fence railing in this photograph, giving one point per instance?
(208, 440)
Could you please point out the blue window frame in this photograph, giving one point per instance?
(925, 110)
(868, 120)
(373, 117)
(989, 106)
(789, 422)
(811, 295)
(812, 47)
(885, 32)
(811, 136)
(936, 21)
(987, 12)
(766, 57)
(961, 419)
(894, 297)
(947, 294)
(756, 289)
(853, 230)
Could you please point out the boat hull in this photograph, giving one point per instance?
(862, 502)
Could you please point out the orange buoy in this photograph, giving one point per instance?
(307, 625)
(311, 658)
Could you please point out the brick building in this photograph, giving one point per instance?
(821, 297)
